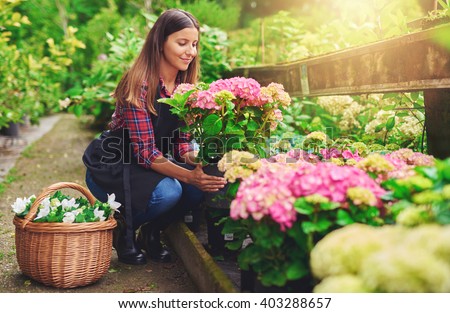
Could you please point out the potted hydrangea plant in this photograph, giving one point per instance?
(229, 114)
(225, 115)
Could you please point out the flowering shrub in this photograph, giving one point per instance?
(287, 208)
(423, 196)
(360, 258)
(288, 202)
(61, 208)
(229, 114)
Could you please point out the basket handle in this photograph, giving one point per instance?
(49, 190)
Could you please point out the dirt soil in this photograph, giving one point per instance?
(56, 157)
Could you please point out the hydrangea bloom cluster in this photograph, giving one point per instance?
(272, 190)
(238, 165)
(266, 193)
(333, 182)
(317, 135)
(383, 259)
(376, 164)
(335, 105)
(408, 127)
(398, 164)
(243, 91)
(412, 158)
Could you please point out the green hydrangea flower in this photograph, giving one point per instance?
(414, 215)
(360, 195)
(341, 284)
(426, 197)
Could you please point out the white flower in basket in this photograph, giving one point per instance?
(62, 208)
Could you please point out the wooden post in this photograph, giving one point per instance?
(428, 5)
(437, 122)
(263, 52)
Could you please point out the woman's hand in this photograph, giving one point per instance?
(206, 182)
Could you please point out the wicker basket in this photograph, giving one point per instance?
(63, 255)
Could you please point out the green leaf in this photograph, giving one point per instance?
(343, 218)
(429, 172)
(380, 127)
(323, 224)
(170, 101)
(233, 143)
(80, 218)
(303, 117)
(390, 123)
(212, 125)
(252, 125)
(234, 245)
(388, 107)
(78, 110)
(232, 190)
(296, 270)
(233, 129)
(261, 151)
(303, 207)
(75, 91)
(415, 95)
(273, 277)
(309, 227)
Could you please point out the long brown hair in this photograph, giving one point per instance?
(147, 65)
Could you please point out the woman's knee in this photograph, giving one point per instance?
(167, 193)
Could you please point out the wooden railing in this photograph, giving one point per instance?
(413, 62)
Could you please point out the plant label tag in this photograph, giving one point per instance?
(228, 237)
(246, 242)
(188, 218)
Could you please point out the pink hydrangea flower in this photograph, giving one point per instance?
(246, 90)
(271, 191)
(206, 100)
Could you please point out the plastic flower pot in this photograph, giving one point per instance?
(11, 131)
(193, 219)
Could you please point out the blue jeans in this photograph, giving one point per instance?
(170, 195)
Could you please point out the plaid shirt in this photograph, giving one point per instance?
(139, 124)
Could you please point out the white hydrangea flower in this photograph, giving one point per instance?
(112, 203)
(335, 105)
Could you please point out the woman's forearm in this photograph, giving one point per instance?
(194, 177)
(189, 157)
(167, 168)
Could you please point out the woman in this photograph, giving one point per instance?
(137, 158)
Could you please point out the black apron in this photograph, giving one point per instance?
(113, 166)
